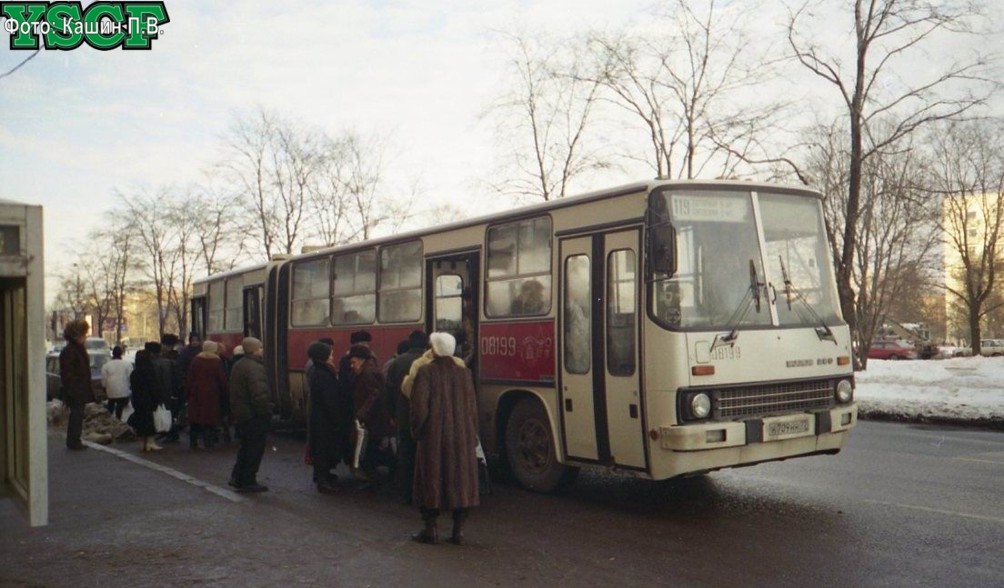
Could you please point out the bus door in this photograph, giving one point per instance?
(579, 418)
(600, 380)
(199, 316)
(252, 311)
(453, 302)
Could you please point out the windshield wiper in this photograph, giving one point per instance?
(822, 330)
(751, 299)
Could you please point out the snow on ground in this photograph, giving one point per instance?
(957, 389)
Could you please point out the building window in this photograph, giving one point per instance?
(519, 269)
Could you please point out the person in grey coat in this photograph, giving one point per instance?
(252, 413)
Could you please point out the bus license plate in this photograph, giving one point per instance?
(786, 429)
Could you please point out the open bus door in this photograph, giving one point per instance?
(252, 310)
(453, 302)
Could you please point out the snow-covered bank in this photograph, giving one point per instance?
(951, 390)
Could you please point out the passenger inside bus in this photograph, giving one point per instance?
(530, 299)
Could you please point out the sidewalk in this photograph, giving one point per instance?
(118, 519)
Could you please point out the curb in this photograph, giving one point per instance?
(992, 424)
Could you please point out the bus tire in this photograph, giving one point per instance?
(530, 450)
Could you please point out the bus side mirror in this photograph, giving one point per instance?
(662, 247)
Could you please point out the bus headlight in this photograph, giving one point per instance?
(845, 391)
(700, 405)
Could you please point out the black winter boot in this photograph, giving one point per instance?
(430, 534)
(459, 517)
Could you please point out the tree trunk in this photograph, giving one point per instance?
(974, 329)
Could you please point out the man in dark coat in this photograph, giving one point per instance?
(252, 413)
(75, 376)
(167, 383)
(145, 399)
(444, 423)
(308, 455)
(327, 420)
(398, 369)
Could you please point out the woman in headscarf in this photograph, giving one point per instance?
(205, 383)
(145, 398)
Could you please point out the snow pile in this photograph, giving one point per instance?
(958, 389)
(99, 425)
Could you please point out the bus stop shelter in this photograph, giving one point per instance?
(23, 451)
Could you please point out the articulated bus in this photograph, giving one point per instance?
(658, 329)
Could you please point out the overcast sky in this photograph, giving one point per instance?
(77, 125)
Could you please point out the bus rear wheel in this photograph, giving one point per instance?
(530, 450)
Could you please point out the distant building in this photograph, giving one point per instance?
(969, 226)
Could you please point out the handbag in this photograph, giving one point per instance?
(127, 412)
(484, 479)
(360, 445)
(162, 419)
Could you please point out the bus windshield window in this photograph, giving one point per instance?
(796, 245)
(715, 241)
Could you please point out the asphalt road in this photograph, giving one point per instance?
(902, 505)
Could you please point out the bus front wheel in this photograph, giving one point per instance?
(530, 450)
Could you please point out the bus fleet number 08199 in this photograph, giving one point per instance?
(498, 345)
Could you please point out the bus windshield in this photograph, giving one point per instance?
(796, 244)
(720, 281)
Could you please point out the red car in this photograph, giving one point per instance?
(895, 349)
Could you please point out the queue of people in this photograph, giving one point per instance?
(159, 375)
(417, 417)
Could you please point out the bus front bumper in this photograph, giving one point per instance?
(718, 435)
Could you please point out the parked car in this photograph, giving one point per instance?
(53, 385)
(892, 349)
(992, 347)
(928, 350)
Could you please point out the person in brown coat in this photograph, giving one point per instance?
(444, 423)
(370, 412)
(75, 377)
(205, 384)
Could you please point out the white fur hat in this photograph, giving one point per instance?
(443, 344)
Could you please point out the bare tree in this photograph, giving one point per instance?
(887, 33)
(543, 118)
(897, 228)
(186, 252)
(329, 199)
(145, 214)
(119, 265)
(969, 173)
(693, 87)
(274, 162)
(356, 183)
(107, 268)
(223, 230)
(73, 294)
